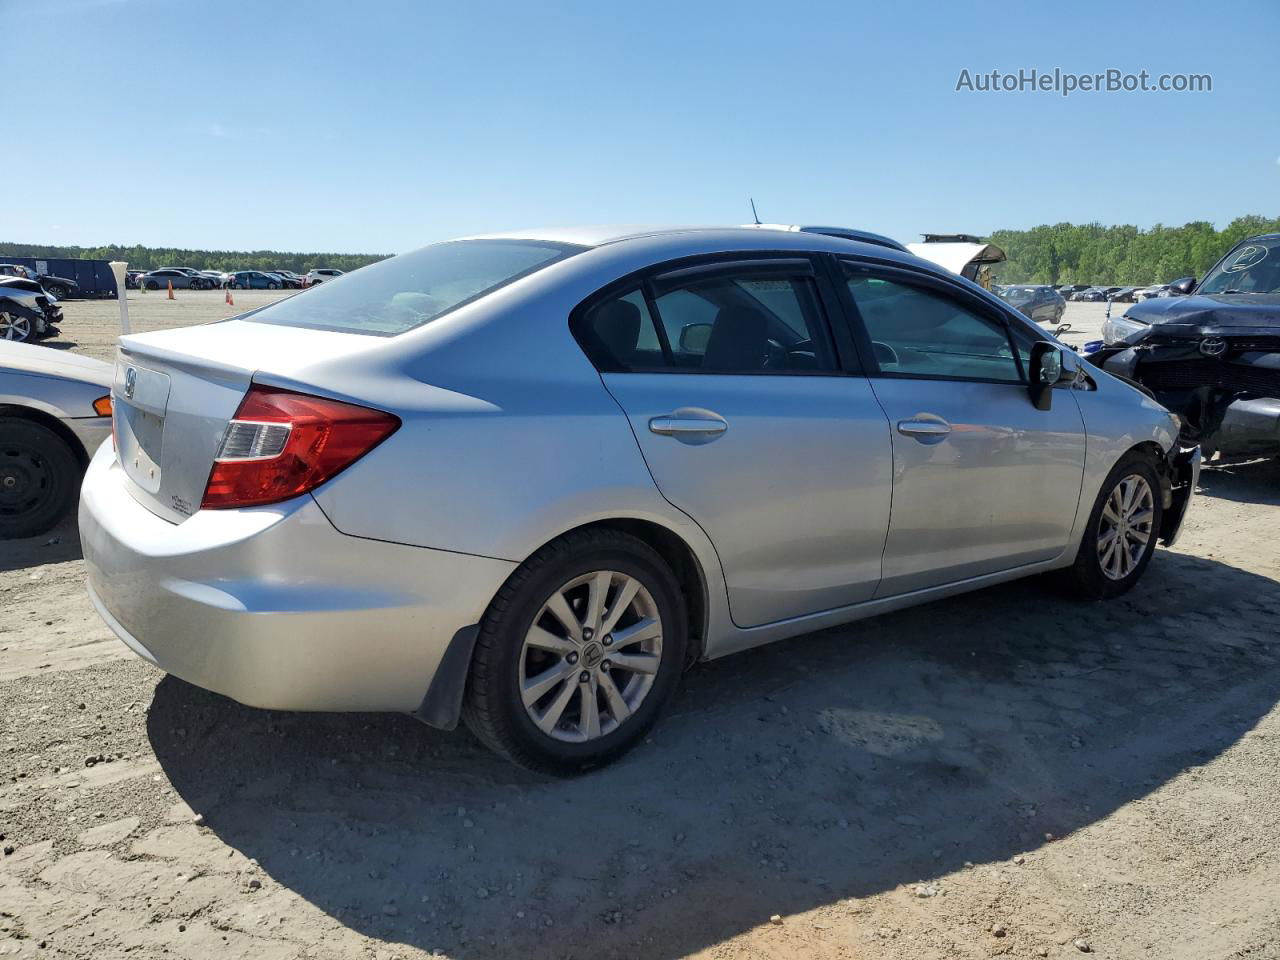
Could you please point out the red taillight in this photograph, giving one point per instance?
(281, 444)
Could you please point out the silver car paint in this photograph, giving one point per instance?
(509, 440)
(59, 385)
(998, 490)
(271, 605)
(799, 481)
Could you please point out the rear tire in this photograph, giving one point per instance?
(152, 285)
(599, 693)
(1112, 555)
(39, 478)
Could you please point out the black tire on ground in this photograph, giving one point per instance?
(39, 478)
(1086, 578)
(273, 286)
(57, 290)
(493, 708)
(152, 285)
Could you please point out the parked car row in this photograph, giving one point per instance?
(189, 278)
(1084, 293)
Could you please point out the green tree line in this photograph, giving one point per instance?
(1050, 253)
(1123, 254)
(152, 258)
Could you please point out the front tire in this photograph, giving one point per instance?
(1121, 534)
(578, 653)
(39, 478)
(16, 328)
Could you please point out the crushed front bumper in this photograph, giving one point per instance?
(1184, 477)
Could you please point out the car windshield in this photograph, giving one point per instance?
(395, 295)
(1252, 267)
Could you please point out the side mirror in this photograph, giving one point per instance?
(694, 337)
(1183, 286)
(1046, 371)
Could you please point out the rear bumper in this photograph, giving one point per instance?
(272, 606)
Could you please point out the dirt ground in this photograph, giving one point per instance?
(1006, 773)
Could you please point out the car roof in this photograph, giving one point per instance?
(713, 239)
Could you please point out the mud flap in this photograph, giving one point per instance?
(442, 706)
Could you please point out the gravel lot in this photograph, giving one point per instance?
(1005, 773)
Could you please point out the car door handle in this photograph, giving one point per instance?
(674, 425)
(926, 431)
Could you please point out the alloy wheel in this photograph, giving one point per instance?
(591, 656)
(14, 327)
(1125, 527)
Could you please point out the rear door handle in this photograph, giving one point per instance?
(688, 427)
(926, 431)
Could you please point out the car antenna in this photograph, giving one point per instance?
(754, 216)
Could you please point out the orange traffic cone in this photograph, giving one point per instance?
(170, 289)
(231, 301)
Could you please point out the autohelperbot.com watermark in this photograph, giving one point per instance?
(1065, 82)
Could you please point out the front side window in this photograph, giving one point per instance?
(916, 332)
(404, 292)
(738, 321)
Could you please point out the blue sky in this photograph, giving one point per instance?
(381, 126)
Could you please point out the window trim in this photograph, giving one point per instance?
(932, 284)
(801, 265)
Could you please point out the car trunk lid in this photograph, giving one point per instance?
(173, 393)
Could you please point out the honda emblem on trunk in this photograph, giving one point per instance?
(130, 381)
(1213, 346)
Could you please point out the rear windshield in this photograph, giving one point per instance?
(395, 295)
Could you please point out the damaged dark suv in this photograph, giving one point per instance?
(1212, 356)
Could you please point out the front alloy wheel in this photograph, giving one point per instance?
(14, 327)
(1125, 527)
(1121, 533)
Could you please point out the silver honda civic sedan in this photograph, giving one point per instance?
(526, 479)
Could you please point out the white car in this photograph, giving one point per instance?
(319, 276)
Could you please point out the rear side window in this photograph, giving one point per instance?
(404, 292)
(918, 333)
(736, 321)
